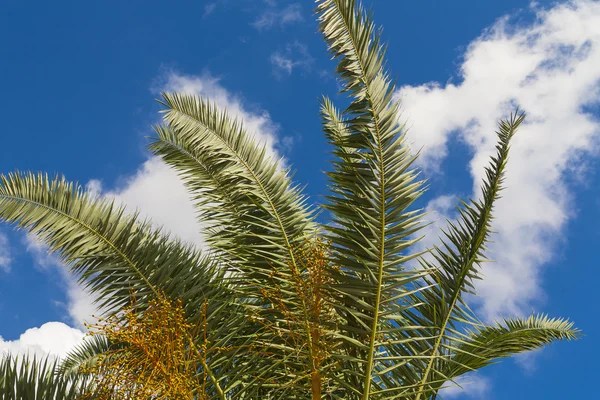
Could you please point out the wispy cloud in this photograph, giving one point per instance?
(5, 253)
(209, 9)
(295, 55)
(549, 68)
(471, 385)
(273, 17)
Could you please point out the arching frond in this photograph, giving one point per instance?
(84, 355)
(234, 183)
(260, 219)
(116, 254)
(485, 345)
(113, 253)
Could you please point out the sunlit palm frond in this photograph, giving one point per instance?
(487, 344)
(458, 263)
(111, 252)
(373, 185)
(234, 182)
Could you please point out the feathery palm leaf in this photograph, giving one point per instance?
(373, 186)
(111, 252)
(262, 220)
(458, 262)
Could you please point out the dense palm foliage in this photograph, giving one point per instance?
(287, 307)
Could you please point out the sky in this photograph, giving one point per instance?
(78, 83)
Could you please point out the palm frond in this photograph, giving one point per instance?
(459, 258)
(233, 182)
(373, 186)
(487, 344)
(84, 355)
(28, 377)
(262, 220)
(111, 252)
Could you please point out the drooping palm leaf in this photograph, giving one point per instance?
(261, 219)
(110, 251)
(485, 345)
(223, 165)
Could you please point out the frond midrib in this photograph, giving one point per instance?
(90, 229)
(375, 325)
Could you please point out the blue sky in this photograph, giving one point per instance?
(79, 79)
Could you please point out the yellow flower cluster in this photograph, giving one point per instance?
(153, 354)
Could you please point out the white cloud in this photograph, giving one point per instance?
(549, 68)
(282, 63)
(471, 385)
(273, 17)
(80, 303)
(53, 338)
(295, 55)
(157, 193)
(528, 361)
(5, 257)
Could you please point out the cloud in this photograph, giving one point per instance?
(157, 193)
(273, 17)
(550, 69)
(294, 56)
(282, 63)
(471, 385)
(209, 9)
(80, 303)
(5, 256)
(53, 338)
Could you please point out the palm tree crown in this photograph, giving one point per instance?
(285, 306)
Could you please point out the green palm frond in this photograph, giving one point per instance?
(84, 355)
(458, 261)
(484, 345)
(111, 252)
(373, 185)
(261, 219)
(285, 307)
(234, 182)
(29, 377)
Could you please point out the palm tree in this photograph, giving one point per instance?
(292, 308)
